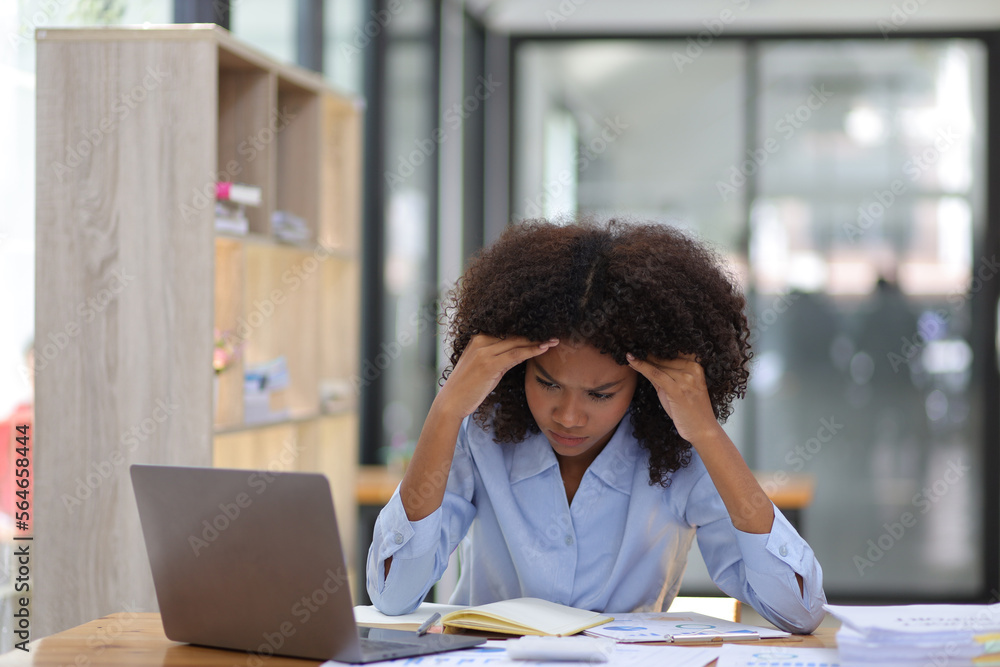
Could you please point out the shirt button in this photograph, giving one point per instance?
(399, 539)
(783, 550)
(569, 540)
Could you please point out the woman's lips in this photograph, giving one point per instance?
(567, 440)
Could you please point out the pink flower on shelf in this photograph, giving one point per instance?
(226, 351)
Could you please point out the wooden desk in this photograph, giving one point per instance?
(788, 491)
(375, 485)
(137, 640)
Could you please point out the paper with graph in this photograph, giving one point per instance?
(680, 627)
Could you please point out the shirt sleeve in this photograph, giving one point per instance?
(759, 569)
(420, 549)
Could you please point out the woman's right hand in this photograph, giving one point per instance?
(480, 369)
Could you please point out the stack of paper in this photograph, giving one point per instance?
(943, 635)
(231, 200)
(231, 218)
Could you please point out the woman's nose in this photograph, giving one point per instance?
(568, 413)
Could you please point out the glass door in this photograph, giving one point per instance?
(865, 253)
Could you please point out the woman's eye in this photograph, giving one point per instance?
(601, 397)
(547, 385)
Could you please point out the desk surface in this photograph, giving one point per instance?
(138, 640)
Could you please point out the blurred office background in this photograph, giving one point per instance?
(838, 155)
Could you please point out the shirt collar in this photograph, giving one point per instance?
(532, 456)
(615, 465)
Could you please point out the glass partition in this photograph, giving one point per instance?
(651, 136)
(867, 226)
(845, 181)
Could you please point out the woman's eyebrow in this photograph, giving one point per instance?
(551, 379)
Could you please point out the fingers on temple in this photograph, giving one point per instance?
(512, 351)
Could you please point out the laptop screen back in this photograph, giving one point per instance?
(247, 560)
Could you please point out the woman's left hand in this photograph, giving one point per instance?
(680, 384)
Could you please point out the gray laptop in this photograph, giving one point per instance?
(251, 561)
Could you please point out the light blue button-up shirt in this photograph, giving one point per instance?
(621, 546)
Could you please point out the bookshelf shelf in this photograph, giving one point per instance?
(141, 203)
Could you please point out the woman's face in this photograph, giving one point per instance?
(577, 396)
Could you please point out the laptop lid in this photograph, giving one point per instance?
(247, 560)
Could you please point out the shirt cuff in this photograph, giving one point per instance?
(404, 538)
(774, 552)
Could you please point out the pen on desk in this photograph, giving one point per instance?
(428, 624)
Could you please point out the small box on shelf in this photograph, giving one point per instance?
(337, 396)
(231, 218)
(264, 392)
(231, 200)
(290, 228)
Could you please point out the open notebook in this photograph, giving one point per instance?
(520, 616)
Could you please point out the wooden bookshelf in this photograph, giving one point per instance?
(135, 126)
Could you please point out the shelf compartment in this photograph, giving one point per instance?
(340, 312)
(340, 175)
(229, 308)
(248, 121)
(298, 153)
(281, 311)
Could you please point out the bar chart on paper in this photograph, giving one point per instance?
(679, 627)
(733, 655)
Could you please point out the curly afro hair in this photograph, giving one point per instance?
(642, 288)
